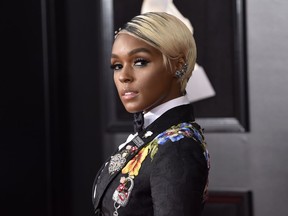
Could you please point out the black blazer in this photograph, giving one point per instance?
(172, 165)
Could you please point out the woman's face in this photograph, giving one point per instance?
(141, 78)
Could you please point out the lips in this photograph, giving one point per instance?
(127, 95)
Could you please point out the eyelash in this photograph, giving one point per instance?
(143, 62)
(116, 66)
(119, 66)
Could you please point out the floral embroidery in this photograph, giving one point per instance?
(175, 133)
(134, 165)
(178, 132)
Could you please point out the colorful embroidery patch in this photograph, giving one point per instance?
(173, 134)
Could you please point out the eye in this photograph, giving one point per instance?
(140, 62)
(116, 66)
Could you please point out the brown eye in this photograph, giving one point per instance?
(116, 67)
(141, 62)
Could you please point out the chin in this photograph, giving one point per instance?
(132, 109)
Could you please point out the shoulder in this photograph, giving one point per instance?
(178, 132)
(179, 168)
(184, 141)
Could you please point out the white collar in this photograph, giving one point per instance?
(156, 112)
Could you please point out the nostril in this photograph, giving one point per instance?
(125, 80)
(125, 77)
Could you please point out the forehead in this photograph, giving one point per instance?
(125, 43)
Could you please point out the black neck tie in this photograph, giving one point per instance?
(138, 121)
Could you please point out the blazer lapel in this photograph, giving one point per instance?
(104, 178)
(174, 116)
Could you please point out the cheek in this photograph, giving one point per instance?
(116, 82)
(115, 78)
(157, 80)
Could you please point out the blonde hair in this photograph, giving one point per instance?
(169, 35)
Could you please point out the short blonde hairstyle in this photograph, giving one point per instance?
(169, 35)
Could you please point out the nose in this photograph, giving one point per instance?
(126, 75)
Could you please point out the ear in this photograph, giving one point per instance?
(179, 63)
(181, 68)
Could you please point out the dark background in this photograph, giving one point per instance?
(50, 126)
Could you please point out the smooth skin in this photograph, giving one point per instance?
(142, 79)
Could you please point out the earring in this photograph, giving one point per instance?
(180, 73)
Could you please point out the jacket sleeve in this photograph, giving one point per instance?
(178, 178)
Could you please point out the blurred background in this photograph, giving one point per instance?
(53, 114)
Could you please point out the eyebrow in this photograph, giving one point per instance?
(134, 51)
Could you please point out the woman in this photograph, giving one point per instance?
(163, 168)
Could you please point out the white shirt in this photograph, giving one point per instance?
(156, 112)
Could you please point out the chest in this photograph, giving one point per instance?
(140, 199)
